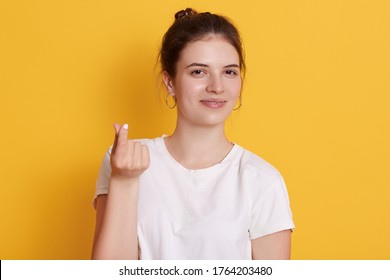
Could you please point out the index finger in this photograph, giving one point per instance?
(120, 143)
(116, 127)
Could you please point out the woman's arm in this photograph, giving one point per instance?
(116, 227)
(100, 206)
(116, 212)
(275, 246)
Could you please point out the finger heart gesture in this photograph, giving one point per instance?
(129, 159)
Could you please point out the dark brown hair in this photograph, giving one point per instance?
(191, 26)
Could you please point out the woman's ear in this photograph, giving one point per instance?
(168, 82)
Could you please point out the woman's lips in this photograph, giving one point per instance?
(213, 103)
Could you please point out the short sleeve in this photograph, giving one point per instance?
(270, 207)
(103, 178)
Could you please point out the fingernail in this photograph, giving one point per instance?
(125, 126)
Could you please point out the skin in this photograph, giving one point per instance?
(207, 86)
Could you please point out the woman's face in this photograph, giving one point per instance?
(207, 82)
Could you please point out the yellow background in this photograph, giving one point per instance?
(316, 105)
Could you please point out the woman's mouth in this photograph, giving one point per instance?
(213, 103)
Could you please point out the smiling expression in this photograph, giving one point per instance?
(207, 83)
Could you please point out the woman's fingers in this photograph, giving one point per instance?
(140, 155)
(116, 127)
(128, 158)
(121, 140)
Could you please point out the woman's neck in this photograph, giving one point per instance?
(198, 147)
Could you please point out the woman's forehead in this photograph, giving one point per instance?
(209, 50)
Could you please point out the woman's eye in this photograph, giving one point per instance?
(197, 72)
(231, 72)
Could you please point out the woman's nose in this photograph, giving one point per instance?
(215, 84)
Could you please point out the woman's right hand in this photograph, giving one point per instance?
(129, 159)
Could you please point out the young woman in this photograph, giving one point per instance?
(193, 194)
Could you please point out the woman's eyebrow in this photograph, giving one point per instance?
(205, 65)
(197, 65)
(232, 65)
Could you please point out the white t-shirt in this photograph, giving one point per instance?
(210, 213)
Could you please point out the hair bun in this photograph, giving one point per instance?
(187, 13)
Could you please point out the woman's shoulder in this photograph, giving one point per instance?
(150, 141)
(257, 166)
